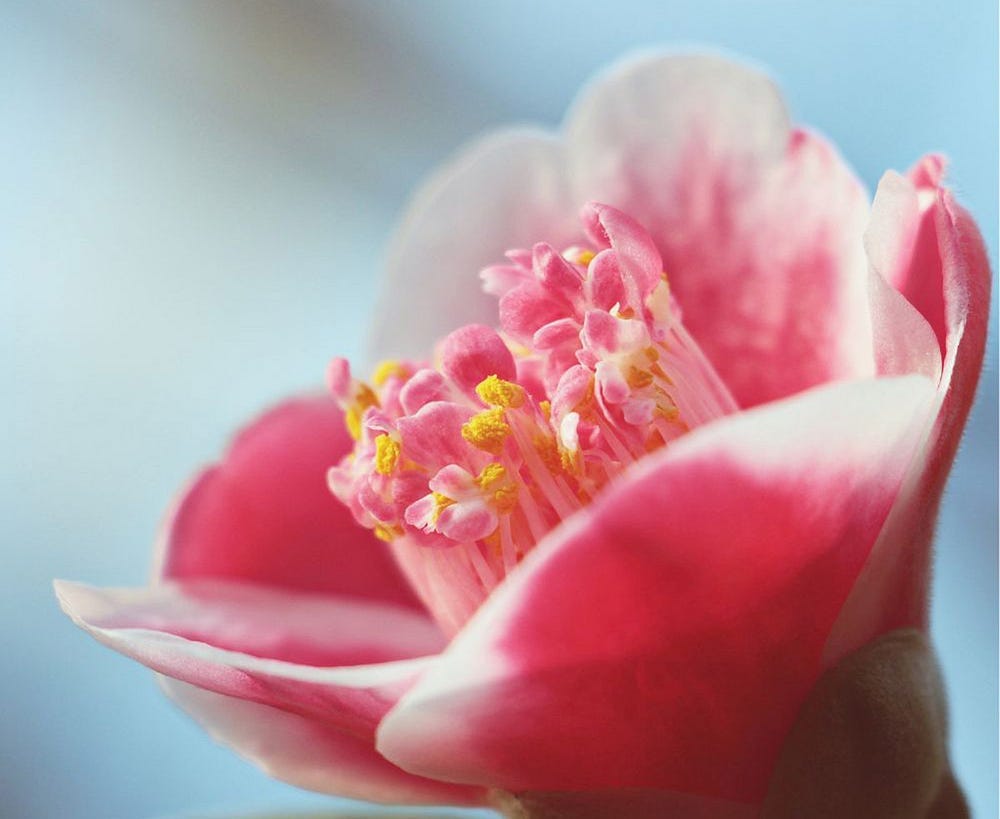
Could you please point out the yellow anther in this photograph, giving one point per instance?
(499, 393)
(387, 533)
(386, 370)
(625, 313)
(493, 479)
(505, 498)
(487, 431)
(352, 420)
(365, 397)
(441, 502)
(658, 371)
(585, 257)
(548, 450)
(386, 454)
(546, 409)
(639, 379)
(570, 461)
(668, 413)
(494, 543)
(491, 475)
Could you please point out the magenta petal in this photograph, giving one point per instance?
(758, 225)
(340, 662)
(667, 636)
(309, 754)
(264, 513)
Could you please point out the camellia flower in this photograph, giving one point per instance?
(674, 456)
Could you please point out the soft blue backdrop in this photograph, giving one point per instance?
(194, 201)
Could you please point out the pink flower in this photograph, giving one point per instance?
(640, 523)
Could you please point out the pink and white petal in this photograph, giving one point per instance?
(309, 754)
(901, 240)
(902, 340)
(264, 513)
(467, 522)
(507, 190)
(758, 225)
(453, 482)
(713, 573)
(892, 591)
(340, 662)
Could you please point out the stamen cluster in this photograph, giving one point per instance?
(513, 431)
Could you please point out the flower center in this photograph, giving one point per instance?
(463, 467)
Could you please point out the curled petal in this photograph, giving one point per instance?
(309, 754)
(714, 571)
(945, 254)
(638, 258)
(342, 662)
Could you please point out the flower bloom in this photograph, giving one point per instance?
(612, 538)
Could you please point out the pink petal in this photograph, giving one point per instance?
(713, 573)
(425, 386)
(467, 522)
(527, 308)
(945, 254)
(556, 333)
(264, 513)
(553, 271)
(339, 662)
(453, 481)
(474, 352)
(433, 437)
(638, 257)
(758, 226)
(505, 191)
(309, 754)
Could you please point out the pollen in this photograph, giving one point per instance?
(491, 475)
(387, 533)
(505, 498)
(639, 379)
(388, 369)
(364, 398)
(585, 257)
(386, 454)
(441, 502)
(487, 431)
(352, 420)
(548, 451)
(499, 393)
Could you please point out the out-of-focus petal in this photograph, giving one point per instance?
(264, 513)
(947, 255)
(871, 741)
(711, 575)
(309, 754)
(758, 225)
(506, 191)
(340, 662)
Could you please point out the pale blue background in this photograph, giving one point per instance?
(188, 189)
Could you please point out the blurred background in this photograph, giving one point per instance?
(195, 201)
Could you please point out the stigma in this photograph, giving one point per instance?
(464, 466)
